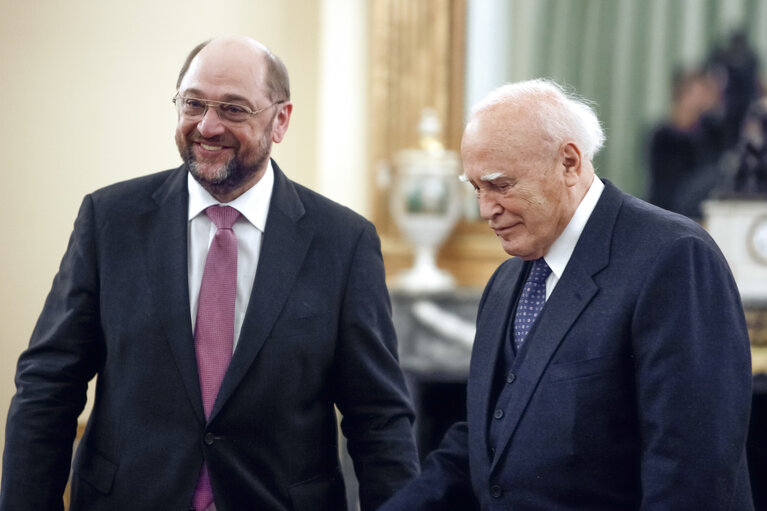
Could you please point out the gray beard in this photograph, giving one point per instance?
(228, 178)
(231, 176)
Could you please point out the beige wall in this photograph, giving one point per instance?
(85, 87)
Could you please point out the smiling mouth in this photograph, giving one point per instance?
(211, 147)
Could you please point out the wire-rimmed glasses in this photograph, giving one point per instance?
(195, 108)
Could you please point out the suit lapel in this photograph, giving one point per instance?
(166, 263)
(573, 293)
(283, 251)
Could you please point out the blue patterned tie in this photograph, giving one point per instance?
(530, 301)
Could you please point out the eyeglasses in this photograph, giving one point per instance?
(195, 108)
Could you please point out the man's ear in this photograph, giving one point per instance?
(571, 163)
(281, 121)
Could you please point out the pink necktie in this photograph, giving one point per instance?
(214, 328)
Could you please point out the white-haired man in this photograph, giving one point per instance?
(611, 364)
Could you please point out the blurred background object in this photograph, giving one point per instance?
(691, 155)
(426, 203)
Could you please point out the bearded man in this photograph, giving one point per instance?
(227, 311)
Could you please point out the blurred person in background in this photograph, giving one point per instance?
(684, 152)
(689, 156)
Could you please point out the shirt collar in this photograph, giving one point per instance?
(253, 204)
(559, 254)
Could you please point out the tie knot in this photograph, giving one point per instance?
(223, 216)
(540, 271)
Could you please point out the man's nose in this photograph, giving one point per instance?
(210, 125)
(488, 205)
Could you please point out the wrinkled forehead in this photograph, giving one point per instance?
(523, 122)
(498, 147)
(499, 133)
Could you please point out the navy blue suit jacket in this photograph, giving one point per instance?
(317, 333)
(632, 391)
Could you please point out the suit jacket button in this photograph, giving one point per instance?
(511, 377)
(496, 491)
(209, 438)
(498, 413)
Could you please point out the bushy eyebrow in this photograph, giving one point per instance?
(492, 176)
(487, 177)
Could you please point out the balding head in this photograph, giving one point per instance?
(246, 51)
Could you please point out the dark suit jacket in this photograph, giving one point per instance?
(632, 391)
(317, 333)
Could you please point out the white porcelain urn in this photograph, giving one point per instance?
(426, 203)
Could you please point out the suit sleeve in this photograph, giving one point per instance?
(51, 380)
(371, 392)
(445, 483)
(693, 379)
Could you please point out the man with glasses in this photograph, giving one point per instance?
(226, 312)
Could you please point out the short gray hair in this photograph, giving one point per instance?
(562, 114)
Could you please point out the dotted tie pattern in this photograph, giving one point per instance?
(530, 301)
(214, 327)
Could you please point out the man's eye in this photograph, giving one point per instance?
(193, 103)
(234, 109)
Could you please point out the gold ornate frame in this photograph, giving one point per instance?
(417, 61)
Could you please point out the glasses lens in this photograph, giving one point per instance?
(192, 107)
(233, 113)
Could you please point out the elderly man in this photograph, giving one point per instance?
(226, 311)
(611, 364)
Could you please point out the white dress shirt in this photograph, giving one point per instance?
(253, 205)
(560, 251)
